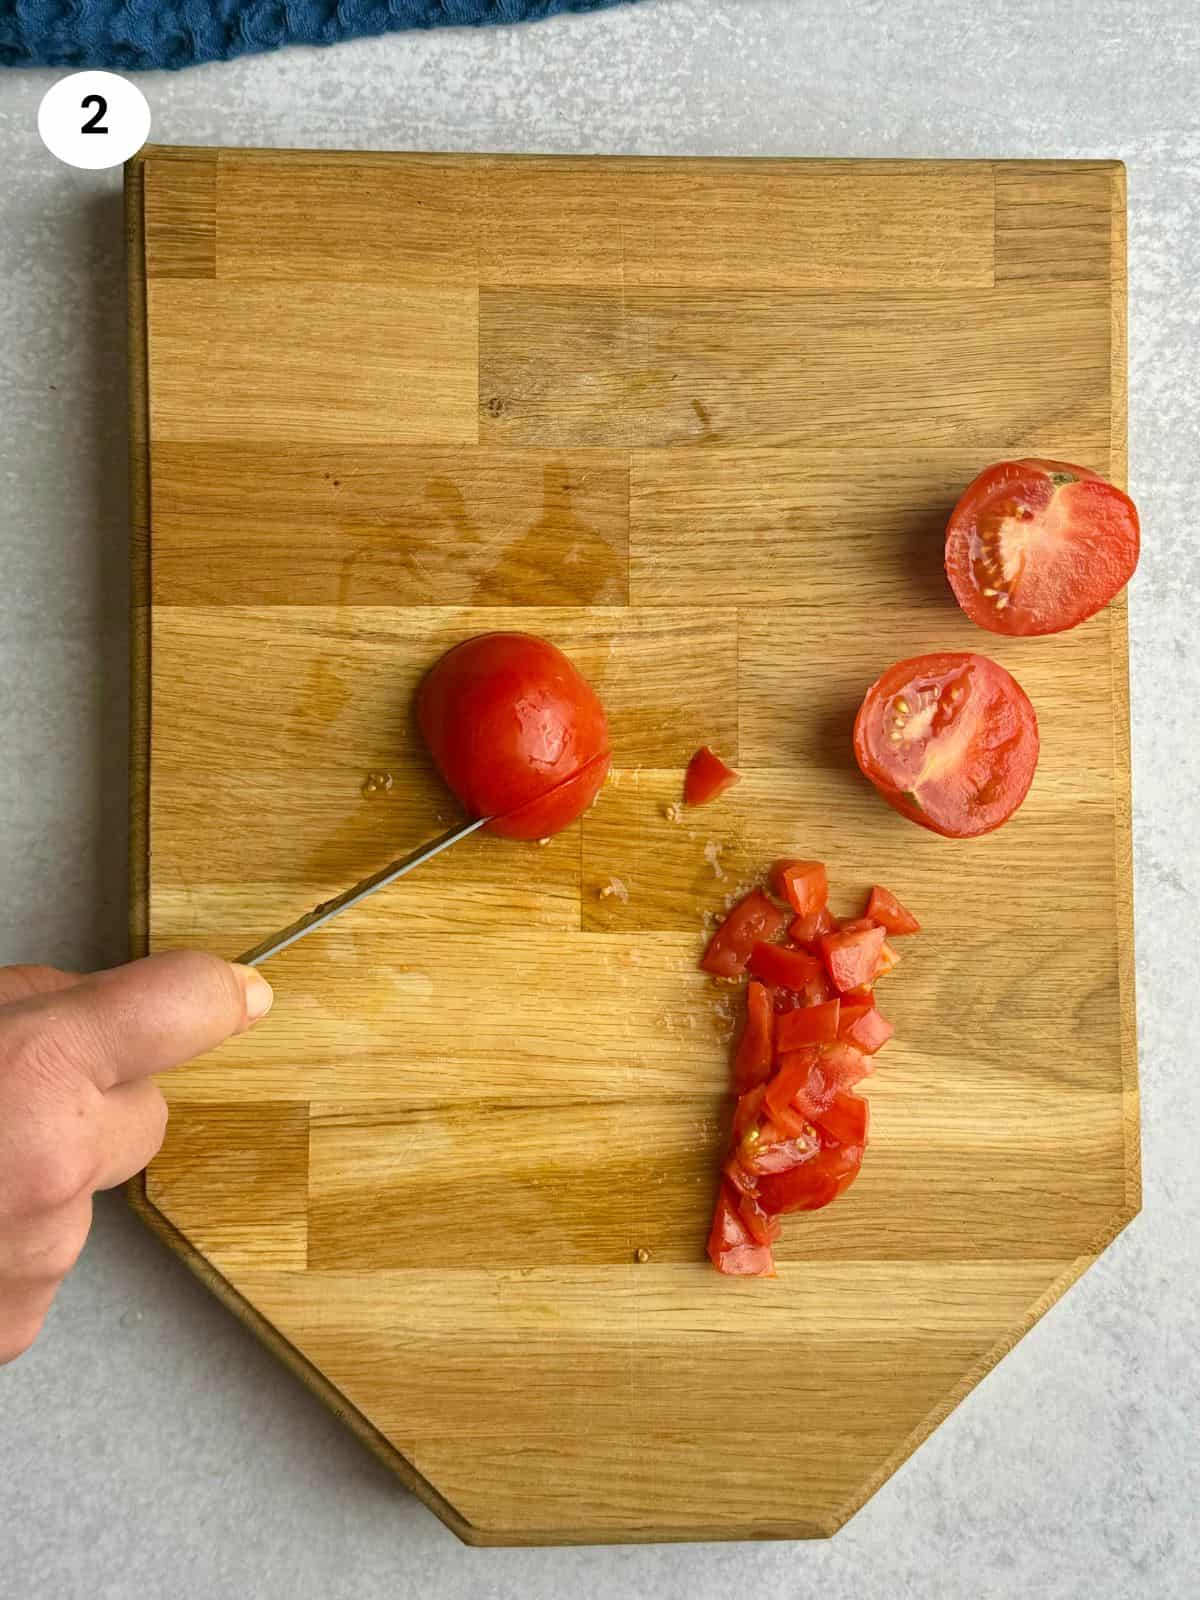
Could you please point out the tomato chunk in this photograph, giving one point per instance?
(813, 1185)
(886, 910)
(791, 1079)
(747, 1111)
(753, 919)
(803, 884)
(770, 1148)
(852, 957)
(707, 777)
(780, 967)
(845, 1119)
(755, 1051)
(731, 1246)
(812, 1025)
(844, 1064)
(864, 1027)
(887, 960)
(808, 929)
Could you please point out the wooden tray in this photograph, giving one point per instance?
(700, 422)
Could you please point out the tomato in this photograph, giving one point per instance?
(864, 995)
(793, 1079)
(1038, 546)
(812, 1025)
(887, 960)
(886, 910)
(813, 1185)
(707, 777)
(510, 722)
(950, 740)
(747, 1111)
(852, 955)
(844, 1064)
(846, 1119)
(751, 921)
(803, 884)
(808, 929)
(775, 964)
(814, 991)
(731, 1246)
(755, 1051)
(863, 1027)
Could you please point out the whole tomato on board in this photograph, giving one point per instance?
(949, 740)
(1038, 546)
(516, 731)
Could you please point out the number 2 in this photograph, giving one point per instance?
(93, 124)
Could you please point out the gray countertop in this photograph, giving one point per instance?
(147, 1445)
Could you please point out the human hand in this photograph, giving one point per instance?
(78, 1109)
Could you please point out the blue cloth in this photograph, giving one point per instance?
(137, 35)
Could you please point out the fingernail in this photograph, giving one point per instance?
(258, 992)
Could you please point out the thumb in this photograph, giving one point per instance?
(145, 1017)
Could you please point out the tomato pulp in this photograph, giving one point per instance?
(949, 740)
(1037, 546)
(516, 731)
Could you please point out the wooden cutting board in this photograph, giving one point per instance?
(700, 423)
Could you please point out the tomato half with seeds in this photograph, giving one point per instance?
(950, 741)
(1037, 546)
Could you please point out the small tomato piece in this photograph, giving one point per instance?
(747, 1111)
(863, 1027)
(852, 956)
(886, 910)
(812, 1025)
(887, 960)
(755, 1051)
(753, 919)
(813, 1185)
(846, 1119)
(791, 1078)
(803, 884)
(778, 1151)
(731, 1246)
(808, 929)
(844, 1064)
(782, 968)
(707, 777)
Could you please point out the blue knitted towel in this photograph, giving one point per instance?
(136, 35)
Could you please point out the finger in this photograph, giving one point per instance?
(142, 1018)
(129, 1126)
(18, 983)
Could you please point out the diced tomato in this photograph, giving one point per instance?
(763, 1229)
(753, 919)
(775, 1151)
(852, 957)
(812, 1025)
(808, 929)
(845, 1119)
(791, 1078)
(707, 777)
(844, 1065)
(755, 1051)
(863, 1026)
(813, 992)
(857, 923)
(886, 910)
(813, 1185)
(747, 1111)
(782, 968)
(863, 996)
(803, 884)
(731, 1246)
(791, 1123)
(887, 960)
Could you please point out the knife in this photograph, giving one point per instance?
(328, 909)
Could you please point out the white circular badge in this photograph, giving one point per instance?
(93, 119)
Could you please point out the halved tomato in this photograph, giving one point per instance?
(1038, 546)
(950, 741)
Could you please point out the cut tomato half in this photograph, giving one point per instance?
(1035, 547)
(950, 741)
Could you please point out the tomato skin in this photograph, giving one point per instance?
(803, 884)
(886, 910)
(966, 750)
(754, 919)
(1028, 553)
(731, 1246)
(782, 968)
(507, 719)
(810, 1025)
(755, 1051)
(707, 777)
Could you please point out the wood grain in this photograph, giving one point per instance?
(700, 423)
